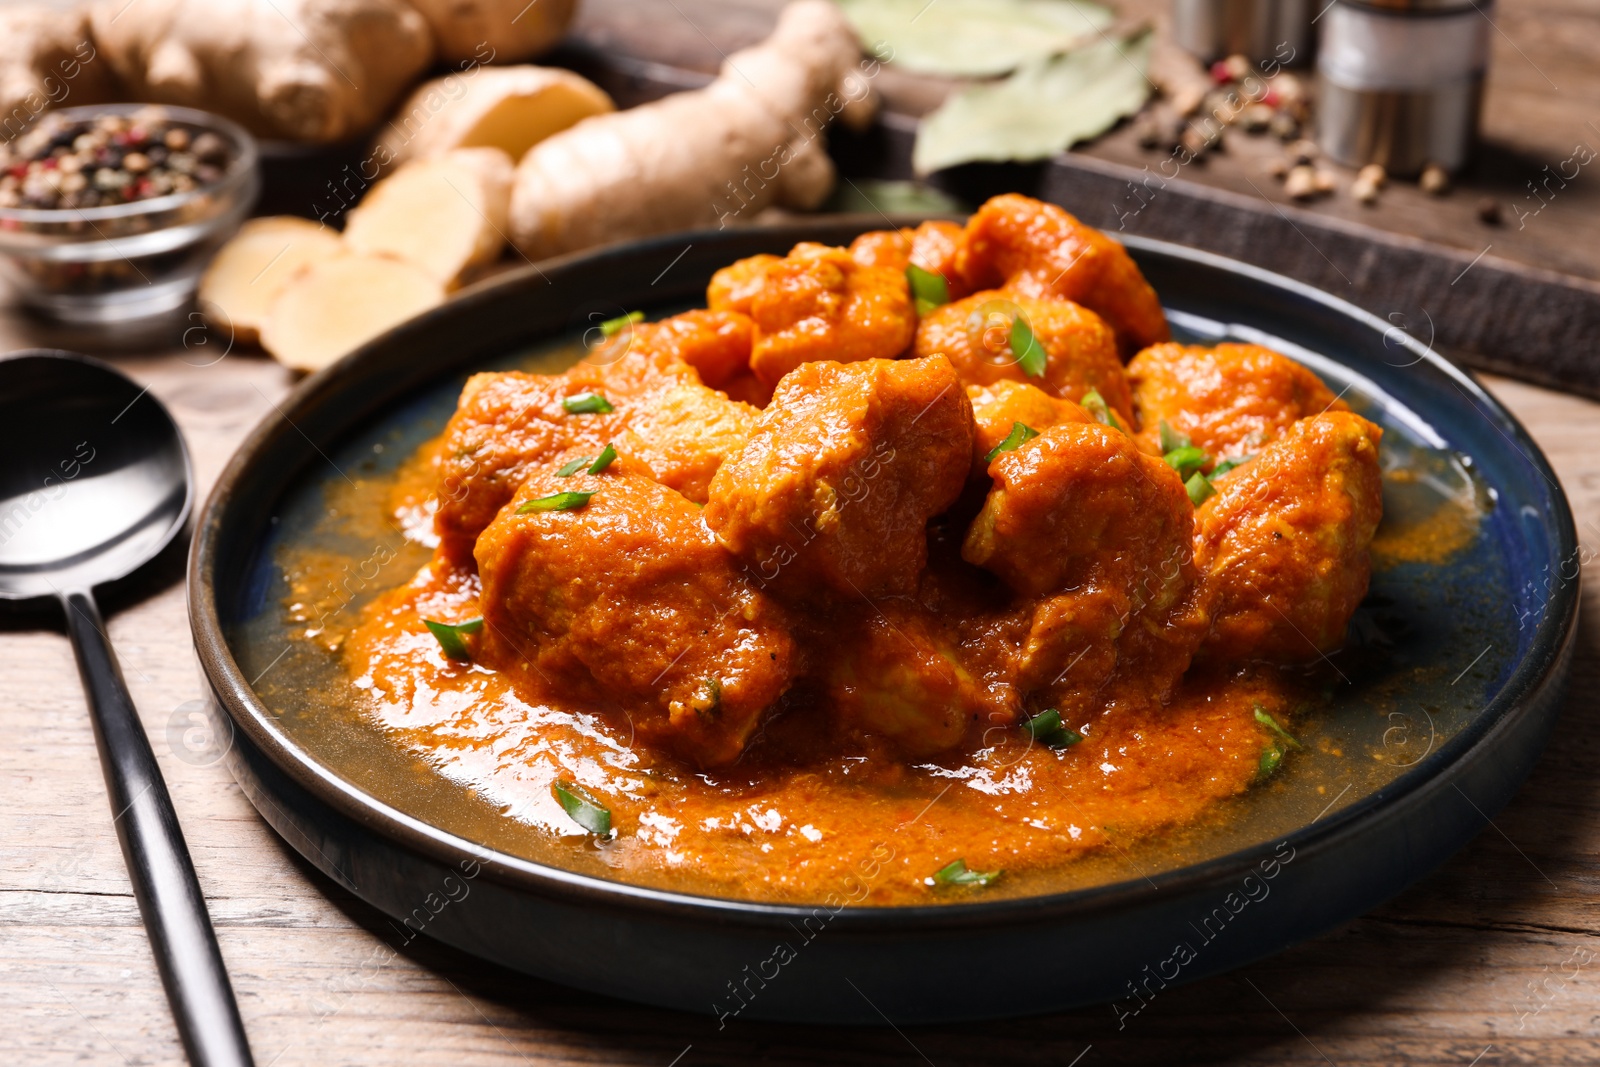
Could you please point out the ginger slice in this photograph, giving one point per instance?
(254, 266)
(445, 215)
(509, 108)
(333, 306)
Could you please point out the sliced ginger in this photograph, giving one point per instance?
(445, 215)
(509, 108)
(252, 269)
(333, 306)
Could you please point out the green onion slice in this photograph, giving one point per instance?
(1019, 433)
(1227, 465)
(587, 404)
(956, 873)
(569, 469)
(595, 464)
(612, 327)
(1271, 759)
(1200, 488)
(554, 502)
(708, 702)
(1172, 440)
(1265, 719)
(448, 634)
(1048, 729)
(1186, 461)
(930, 290)
(1026, 347)
(585, 809)
(1096, 405)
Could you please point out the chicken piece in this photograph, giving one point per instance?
(894, 673)
(817, 303)
(845, 468)
(1229, 400)
(1079, 348)
(1283, 544)
(505, 424)
(1099, 534)
(931, 246)
(734, 287)
(1035, 249)
(715, 343)
(685, 434)
(999, 406)
(627, 601)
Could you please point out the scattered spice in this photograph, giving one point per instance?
(1489, 211)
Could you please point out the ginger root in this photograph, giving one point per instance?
(750, 140)
(509, 108)
(255, 266)
(445, 215)
(47, 61)
(510, 30)
(304, 70)
(332, 307)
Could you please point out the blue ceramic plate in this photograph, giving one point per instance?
(1451, 681)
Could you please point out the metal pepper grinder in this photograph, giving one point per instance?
(1278, 31)
(1400, 82)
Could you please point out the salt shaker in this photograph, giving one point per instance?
(1260, 30)
(1400, 82)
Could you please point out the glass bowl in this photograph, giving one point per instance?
(123, 262)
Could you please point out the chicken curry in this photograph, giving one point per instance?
(747, 593)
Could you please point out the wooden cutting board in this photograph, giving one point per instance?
(1522, 297)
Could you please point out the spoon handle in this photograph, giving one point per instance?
(164, 881)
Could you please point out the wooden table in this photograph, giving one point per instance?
(1495, 956)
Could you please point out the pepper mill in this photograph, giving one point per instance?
(1400, 82)
(1260, 30)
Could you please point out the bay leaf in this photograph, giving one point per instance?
(1046, 107)
(971, 38)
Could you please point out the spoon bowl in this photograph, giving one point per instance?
(98, 479)
(96, 484)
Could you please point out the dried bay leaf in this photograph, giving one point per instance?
(972, 38)
(1046, 107)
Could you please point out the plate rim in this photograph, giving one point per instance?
(1548, 650)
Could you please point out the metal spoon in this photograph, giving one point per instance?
(95, 483)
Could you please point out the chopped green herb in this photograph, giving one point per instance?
(1186, 460)
(1200, 488)
(587, 404)
(1019, 433)
(612, 327)
(1047, 728)
(1172, 440)
(596, 464)
(569, 469)
(1271, 758)
(449, 636)
(584, 808)
(1027, 349)
(930, 290)
(554, 502)
(956, 873)
(1227, 465)
(1096, 405)
(1266, 719)
(708, 702)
